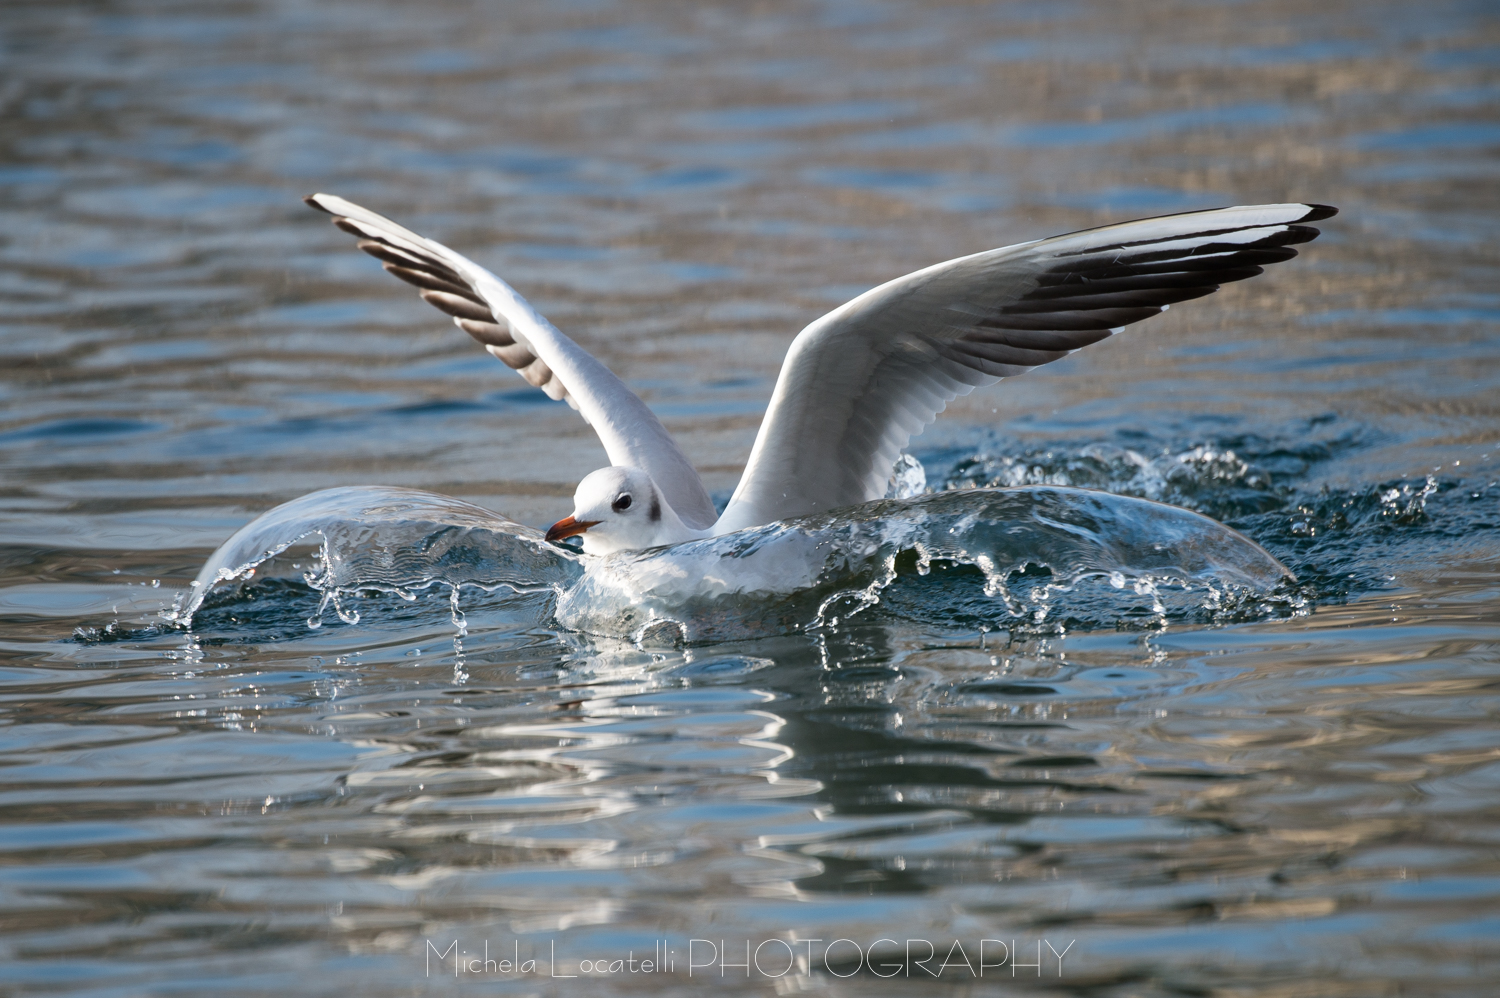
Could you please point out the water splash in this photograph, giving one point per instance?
(1206, 477)
(1032, 546)
(908, 478)
(387, 540)
(814, 571)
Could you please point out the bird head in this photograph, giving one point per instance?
(618, 509)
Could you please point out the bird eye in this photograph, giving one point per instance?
(621, 503)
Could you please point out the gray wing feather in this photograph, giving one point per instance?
(491, 312)
(858, 383)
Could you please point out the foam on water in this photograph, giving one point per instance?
(776, 578)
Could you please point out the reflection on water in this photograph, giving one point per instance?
(1293, 805)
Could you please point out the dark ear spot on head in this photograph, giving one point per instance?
(655, 506)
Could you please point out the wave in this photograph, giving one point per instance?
(1027, 545)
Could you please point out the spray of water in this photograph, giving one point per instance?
(803, 574)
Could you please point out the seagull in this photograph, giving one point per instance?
(858, 383)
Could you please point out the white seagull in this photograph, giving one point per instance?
(858, 383)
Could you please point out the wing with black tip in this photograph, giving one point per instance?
(492, 312)
(858, 383)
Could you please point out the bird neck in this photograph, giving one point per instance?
(671, 530)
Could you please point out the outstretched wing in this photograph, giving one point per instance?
(489, 310)
(858, 383)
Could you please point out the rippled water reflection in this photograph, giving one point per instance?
(1298, 804)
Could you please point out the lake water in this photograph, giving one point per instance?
(1294, 796)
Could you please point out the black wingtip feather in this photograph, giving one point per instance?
(431, 282)
(401, 258)
(1318, 212)
(459, 307)
(1214, 255)
(1304, 233)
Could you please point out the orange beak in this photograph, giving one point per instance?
(568, 527)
